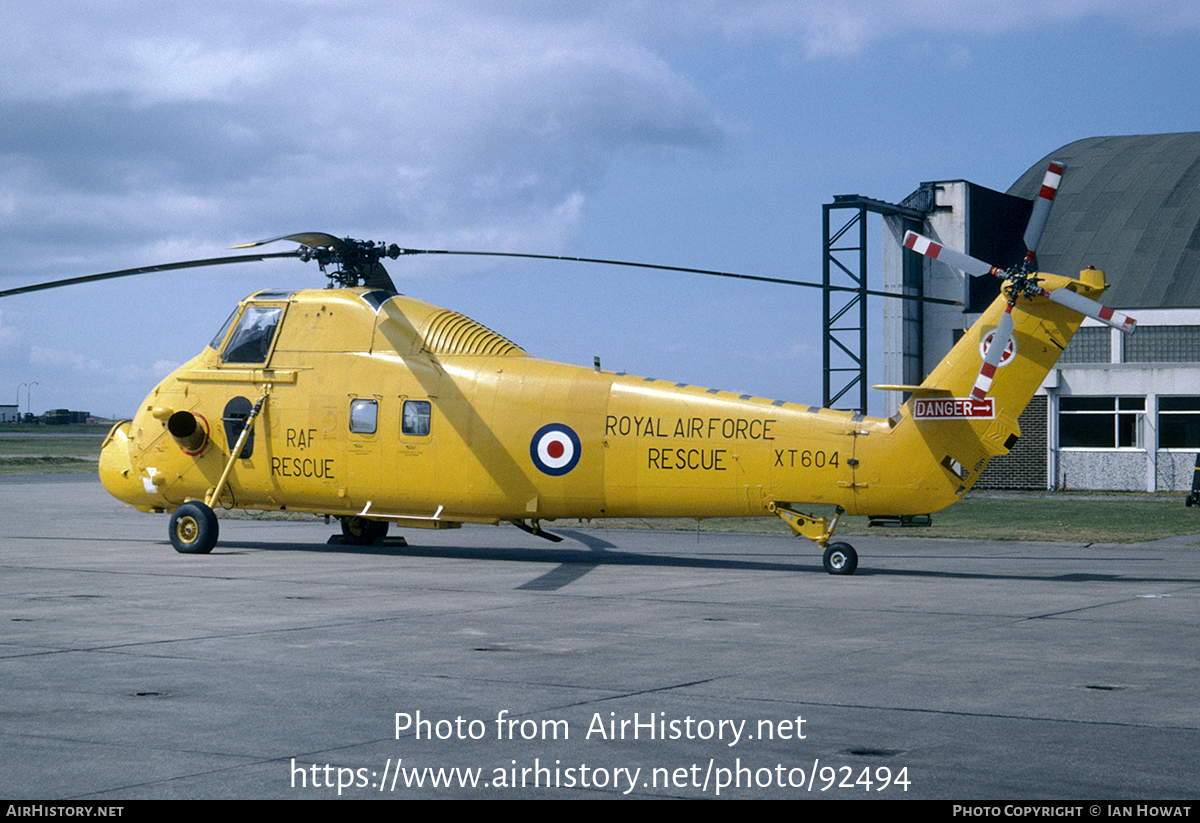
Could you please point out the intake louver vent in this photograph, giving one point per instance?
(449, 332)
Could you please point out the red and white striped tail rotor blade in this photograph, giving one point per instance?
(1041, 206)
(931, 248)
(1090, 308)
(995, 352)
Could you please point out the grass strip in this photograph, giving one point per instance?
(47, 464)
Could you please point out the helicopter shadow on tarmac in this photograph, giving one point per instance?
(571, 564)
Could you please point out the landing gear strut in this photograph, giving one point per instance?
(839, 558)
(194, 528)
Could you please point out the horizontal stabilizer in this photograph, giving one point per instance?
(915, 391)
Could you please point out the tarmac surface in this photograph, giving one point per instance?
(616, 663)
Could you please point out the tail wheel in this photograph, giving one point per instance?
(193, 528)
(363, 532)
(840, 558)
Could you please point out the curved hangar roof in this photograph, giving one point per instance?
(1130, 206)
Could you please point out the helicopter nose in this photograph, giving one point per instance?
(116, 468)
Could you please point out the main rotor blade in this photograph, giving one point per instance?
(686, 270)
(1041, 207)
(312, 239)
(936, 251)
(186, 264)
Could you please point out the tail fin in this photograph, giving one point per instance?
(1042, 328)
(947, 436)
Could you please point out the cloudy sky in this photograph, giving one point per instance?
(684, 132)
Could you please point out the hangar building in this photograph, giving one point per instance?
(1118, 413)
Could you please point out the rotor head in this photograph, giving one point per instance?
(345, 261)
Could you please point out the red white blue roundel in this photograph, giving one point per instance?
(1009, 350)
(555, 449)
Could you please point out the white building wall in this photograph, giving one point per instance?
(947, 225)
(1102, 470)
(1146, 468)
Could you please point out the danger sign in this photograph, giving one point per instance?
(953, 408)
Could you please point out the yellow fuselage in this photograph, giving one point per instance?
(347, 375)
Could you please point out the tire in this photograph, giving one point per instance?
(193, 528)
(363, 532)
(840, 558)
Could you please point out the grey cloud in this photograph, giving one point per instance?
(431, 124)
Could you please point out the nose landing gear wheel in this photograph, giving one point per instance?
(840, 558)
(193, 528)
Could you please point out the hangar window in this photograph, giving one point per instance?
(1164, 344)
(364, 416)
(415, 420)
(1089, 345)
(1179, 422)
(1101, 422)
(251, 339)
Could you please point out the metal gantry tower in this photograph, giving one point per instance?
(845, 265)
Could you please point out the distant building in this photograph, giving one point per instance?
(1118, 413)
(9, 414)
(61, 417)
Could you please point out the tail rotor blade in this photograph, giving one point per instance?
(1090, 308)
(995, 353)
(936, 251)
(1041, 207)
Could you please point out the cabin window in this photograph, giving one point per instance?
(251, 339)
(416, 418)
(364, 416)
(1179, 423)
(1101, 422)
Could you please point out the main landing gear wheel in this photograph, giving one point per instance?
(360, 531)
(193, 528)
(840, 558)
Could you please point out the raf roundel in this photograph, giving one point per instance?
(1009, 350)
(555, 449)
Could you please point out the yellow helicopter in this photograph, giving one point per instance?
(377, 408)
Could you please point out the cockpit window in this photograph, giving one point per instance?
(251, 339)
(220, 338)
